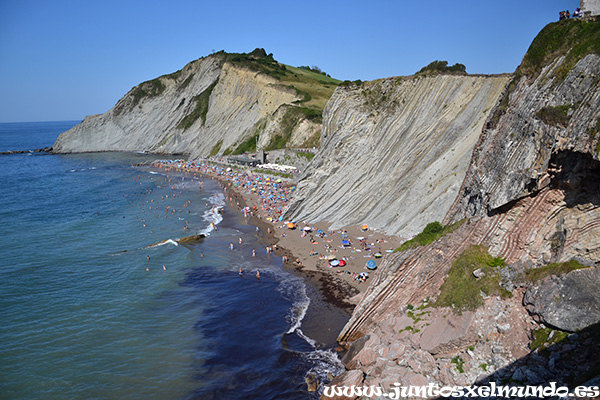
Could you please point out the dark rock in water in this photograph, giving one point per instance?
(192, 238)
(569, 302)
(42, 150)
(311, 382)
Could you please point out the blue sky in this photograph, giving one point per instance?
(63, 60)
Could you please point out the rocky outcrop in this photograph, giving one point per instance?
(211, 105)
(515, 157)
(570, 302)
(395, 151)
(531, 196)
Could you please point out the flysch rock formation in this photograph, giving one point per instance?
(240, 103)
(395, 151)
(531, 195)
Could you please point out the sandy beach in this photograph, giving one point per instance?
(334, 260)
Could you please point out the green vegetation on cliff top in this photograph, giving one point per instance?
(572, 38)
(315, 88)
(442, 67)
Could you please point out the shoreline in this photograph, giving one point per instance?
(338, 286)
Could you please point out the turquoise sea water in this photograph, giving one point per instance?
(85, 315)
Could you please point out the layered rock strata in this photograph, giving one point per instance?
(209, 106)
(531, 196)
(395, 151)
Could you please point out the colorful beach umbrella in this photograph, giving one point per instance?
(342, 263)
(334, 263)
(371, 264)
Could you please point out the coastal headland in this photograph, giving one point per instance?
(493, 177)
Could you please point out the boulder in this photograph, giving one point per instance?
(570, 302)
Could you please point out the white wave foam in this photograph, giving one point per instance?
(298, 312)
(212, 215)
(325, 363)
(168, 241)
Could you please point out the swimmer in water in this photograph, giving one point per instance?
(241, 272)
(164, 268)
(258, 274)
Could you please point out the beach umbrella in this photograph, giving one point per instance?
(334, 263)
(331, 257)
(365, 227)
(319, 231)
(307, 228)
(342, 263)
(291, 225)
(377, 255)
(345, 243)
(361, 238)
(371, 264)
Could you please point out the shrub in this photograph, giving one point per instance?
(555, 116)
(432, 232)
(442, 67)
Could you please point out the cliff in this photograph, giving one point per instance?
(220, 104)
(499, 298)
(395, 151)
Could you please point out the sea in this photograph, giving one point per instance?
(98, 300)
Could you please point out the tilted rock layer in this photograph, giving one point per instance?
(152, 116)
(395, 151)
(531, 196)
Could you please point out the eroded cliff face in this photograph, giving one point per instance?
(531, 196)
(209, 106)
(544, 116)
(395, 151)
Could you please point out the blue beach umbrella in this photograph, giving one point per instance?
(371, 264)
